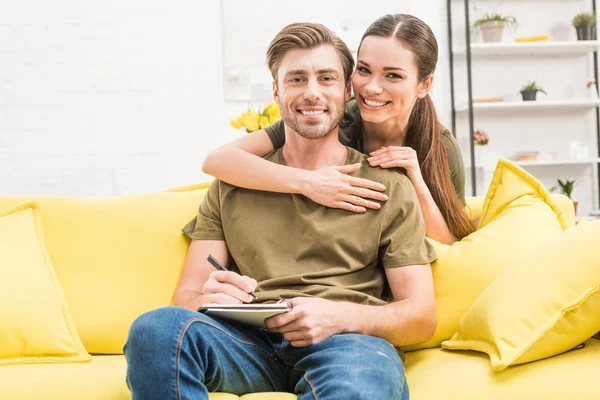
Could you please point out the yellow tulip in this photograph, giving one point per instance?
(264, 122)
(235, 123)
(273, 113)
(250, 121)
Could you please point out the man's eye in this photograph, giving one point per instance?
(327, 78)
(296, 80)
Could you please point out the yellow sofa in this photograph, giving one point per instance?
(116, 258)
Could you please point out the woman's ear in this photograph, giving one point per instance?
(425, 87)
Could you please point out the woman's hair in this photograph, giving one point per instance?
(424, 133)
(306, 35)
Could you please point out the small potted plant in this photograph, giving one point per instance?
(585, 24)
(566, 187)
(492, 26)
(530, 90)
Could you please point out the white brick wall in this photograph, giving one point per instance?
(113, 97)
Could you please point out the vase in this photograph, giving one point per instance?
(586, 32)
(492, 31)
(480, 154)
(529, 95)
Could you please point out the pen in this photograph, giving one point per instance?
(220, 267)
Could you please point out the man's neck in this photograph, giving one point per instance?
(311, 154)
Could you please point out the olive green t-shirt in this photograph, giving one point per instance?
(295, 247)
(350, 134)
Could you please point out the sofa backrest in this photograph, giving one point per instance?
(115, 258)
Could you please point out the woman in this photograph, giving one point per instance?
(391, 118)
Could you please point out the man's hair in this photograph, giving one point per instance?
(304, 35)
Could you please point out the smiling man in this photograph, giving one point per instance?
(336, 267)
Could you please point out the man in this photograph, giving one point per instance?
(338, 340)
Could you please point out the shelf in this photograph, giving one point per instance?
(547, 47)
(544, 163)
(541, 163)
(531, 105)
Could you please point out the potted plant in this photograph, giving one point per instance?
(530, 90)
(585, 24)
(492, 25)
(566, 188)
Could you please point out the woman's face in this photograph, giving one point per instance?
(386, 82)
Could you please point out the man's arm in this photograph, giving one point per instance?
(410, 319)
(200, 283)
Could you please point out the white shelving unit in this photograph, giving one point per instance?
(546, 163)
(531, 105)
(531, 48)
(551, 124)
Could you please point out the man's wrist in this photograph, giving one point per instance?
(349, 314)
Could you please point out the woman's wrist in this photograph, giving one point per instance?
(418, 183)
(301, 181)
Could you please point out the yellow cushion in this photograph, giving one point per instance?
(546, 303)
(35, 323)
(437, 374)
(518, 214)
(116, 258)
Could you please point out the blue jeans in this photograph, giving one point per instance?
(176, 353)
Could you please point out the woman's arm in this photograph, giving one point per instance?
(239, 163)
(406, 157)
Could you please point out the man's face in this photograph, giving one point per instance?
(311, 91)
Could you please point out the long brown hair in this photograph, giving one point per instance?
(424, 133)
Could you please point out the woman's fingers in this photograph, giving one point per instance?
(359, 201)
(349, 207)
(358, 187)
(346, 169)
(365, 183)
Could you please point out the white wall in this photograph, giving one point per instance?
(119, 97)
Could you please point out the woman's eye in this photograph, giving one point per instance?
(363, 70)
(394, 76)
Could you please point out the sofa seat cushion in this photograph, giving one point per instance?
(101, 379)
(435, 374)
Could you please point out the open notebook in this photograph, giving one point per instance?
(249, 314)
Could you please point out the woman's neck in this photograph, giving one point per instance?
(386, 133)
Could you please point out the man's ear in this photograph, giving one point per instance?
(348, 90)
(275, 92)
(425, 87)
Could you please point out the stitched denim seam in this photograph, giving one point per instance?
(314, 390)
(180, 339)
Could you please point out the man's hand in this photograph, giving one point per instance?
(227, 287)
(310, 321)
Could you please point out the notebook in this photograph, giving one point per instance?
(249, 314)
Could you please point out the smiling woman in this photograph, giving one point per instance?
(392, 119)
